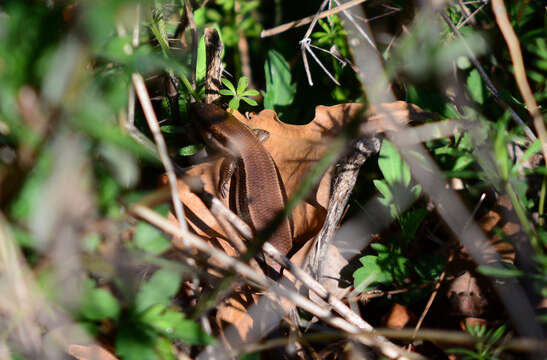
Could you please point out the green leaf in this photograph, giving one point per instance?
(164, 348)
(150, 239)
(201, 63)
(279, 89)
(172, 324)
(386, 268)
(462, 162)
(242, 84)
(510, 271)
(158, 290)
(98, 304)
(371, 271)
(392, 165)
(190, 149)
(229, 85)
(532, 149)
(500, 150)
(32, 188)
(384, 189)
(379, 248)
(132, 342)
(475, 86)
(234, 103)
(226, 92)
(429, 267)
(251, 92)
(249, 101)
(410, 221)
(251, 356)
(416, 190)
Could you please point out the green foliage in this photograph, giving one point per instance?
(158, 290)
(391, 268)
(97, 303)
(396, 187)
(488, 345)
(241, 93)
(280, 90)
(387, 267)
(172, 324)
(150, 239)
(333, 34)
(231, 22)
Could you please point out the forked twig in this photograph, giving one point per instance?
(305, 43)
(470, 16)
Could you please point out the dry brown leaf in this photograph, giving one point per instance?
(398, 317)
(91, 352)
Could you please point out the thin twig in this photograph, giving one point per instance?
(468, 18)
(150, 115)
(520, 73)
(489, 84)
(228, 262)
(129, 123)
(294, 24)
(317, 288)
(433, 294)
(306, 44)
(437, 336)
(359, 28)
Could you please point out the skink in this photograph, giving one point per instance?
(260, 192)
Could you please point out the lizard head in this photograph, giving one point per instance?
(214, 125)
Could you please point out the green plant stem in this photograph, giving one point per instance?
(521, 213)
(541, 205)
(188, 86)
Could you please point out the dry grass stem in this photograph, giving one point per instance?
(520, 73)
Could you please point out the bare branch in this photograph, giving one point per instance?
(294, 24)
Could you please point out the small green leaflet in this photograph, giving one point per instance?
(279, 89)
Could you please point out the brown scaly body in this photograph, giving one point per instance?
(260, 191)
